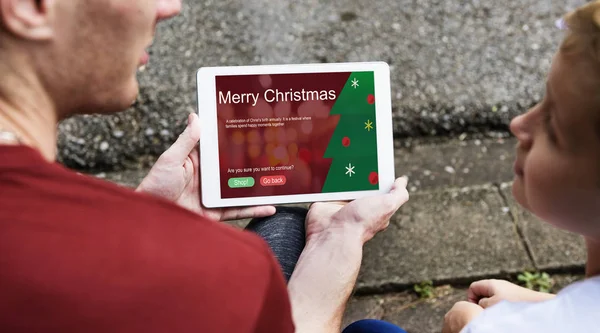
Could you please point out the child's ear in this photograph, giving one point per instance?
(28, 19)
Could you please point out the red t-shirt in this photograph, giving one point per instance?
(78, 254)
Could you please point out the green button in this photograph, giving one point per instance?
(241, 182)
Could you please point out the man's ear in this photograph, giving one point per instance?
(27, 19)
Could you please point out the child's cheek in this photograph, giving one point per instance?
(544, 179)
(557, 192)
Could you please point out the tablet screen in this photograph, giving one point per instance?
(308, 133)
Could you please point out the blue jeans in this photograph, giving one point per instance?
(372, 326)
(286, 235)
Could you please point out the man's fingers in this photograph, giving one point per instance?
(383, 205)
(247, 212)
(400, 183)
(398, 195)
(195, 156)
(186, 142)
(337, 203)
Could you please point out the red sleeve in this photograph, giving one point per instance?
(276, 311)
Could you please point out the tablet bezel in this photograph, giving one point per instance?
(209, 151)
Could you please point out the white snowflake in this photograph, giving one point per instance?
(354, 83)
(350, 169)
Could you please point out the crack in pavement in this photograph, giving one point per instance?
(515, 220)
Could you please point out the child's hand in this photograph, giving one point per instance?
(461, 314)
(489, 292)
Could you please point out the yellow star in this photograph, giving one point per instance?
(369, 125)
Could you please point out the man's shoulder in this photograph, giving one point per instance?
(51, 196)
(132, 251)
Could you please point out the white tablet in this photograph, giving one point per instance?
(283, 134)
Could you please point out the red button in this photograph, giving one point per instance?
(272, 180)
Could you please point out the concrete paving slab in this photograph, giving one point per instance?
(405, 309)
(367, 307)
(551, 248)
(456, 66)
(444, 235)
(424, 316)
(444, 163)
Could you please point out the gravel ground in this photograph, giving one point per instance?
(457, 66)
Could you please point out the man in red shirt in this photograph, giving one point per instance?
(81, 255)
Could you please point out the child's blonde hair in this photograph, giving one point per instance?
(583, 32)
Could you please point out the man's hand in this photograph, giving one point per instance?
(175, 177)
(487, 293)
(366, 216)
(328, 267)
(461, 314)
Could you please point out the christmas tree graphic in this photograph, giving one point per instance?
(353, 145)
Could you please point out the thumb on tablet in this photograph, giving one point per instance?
(187, 141)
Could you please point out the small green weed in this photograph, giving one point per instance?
(424, 289)
(536, 281)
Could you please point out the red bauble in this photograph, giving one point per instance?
(371, 99)
(374, 178)
(346, 141)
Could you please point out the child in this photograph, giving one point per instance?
(557, 177)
